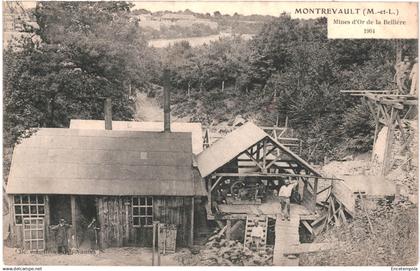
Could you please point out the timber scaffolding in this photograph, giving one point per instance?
(242, 173)
(283, 134)
(389, 110)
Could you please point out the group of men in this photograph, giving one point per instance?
(61, 236)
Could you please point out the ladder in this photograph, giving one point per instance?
(250, 223)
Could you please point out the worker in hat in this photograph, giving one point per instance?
(414, 77)
(257, 233)
(284, 195)
(402, 70)
(93, 229)
(61, 236)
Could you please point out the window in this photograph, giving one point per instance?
(142, 211)
(28, 206)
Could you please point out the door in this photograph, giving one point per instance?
(33, 234)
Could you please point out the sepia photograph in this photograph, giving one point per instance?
(205, 133)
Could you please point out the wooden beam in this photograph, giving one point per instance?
(274, 160)
(253, 159)
(192, 223)
(13, 237)
(73, 217)
(318, 220)
(365, 90)
(315, 190)
(307, 226)
(309, 217)
(326, 188)
(264, 169)
(216, 183)
(252, 174)
(228, 228)
(153, 243)
(389, 141)
(209, 195)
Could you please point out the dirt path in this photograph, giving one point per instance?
(147, 109)
(111, 257)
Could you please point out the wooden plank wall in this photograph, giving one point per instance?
(111, 216)
(113, 220)
(175, 210)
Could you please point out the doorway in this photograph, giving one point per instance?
(86, 210)
(60, 207)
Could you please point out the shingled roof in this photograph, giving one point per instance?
(150, 126)
(104, 162)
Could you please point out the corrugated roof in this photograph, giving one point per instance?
(234, 143)
(103, 162)
(185, 127)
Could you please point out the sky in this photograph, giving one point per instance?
(265, 7)
(273, 8)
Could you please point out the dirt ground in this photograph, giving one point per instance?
(110, 257)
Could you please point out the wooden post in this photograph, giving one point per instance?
(158, 242)
(47, 221)
(228, 228)
(153, 243)
(127, 223)
(12, 221)
(264, 169)
(389, 141)
(315, 190)
(73, 217)
(192, 222)
(209, 193)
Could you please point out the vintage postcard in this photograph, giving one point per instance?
(210, 133)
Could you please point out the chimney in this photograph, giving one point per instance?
(108, 113)
(166, 103)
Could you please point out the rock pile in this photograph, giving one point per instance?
(224, 252)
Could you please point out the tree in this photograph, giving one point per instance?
(86, 51)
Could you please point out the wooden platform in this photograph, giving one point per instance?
(271, 208)
(287, 235)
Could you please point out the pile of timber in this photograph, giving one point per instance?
(222, 252)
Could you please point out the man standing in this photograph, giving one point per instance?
(284, 195)
(93, 229)
(401, 76)
(413, 77)
(61, 236)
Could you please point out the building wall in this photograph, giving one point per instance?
(115, 218)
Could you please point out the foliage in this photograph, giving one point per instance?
(84, 51)
(393, 242)
(290, 69)
(178, 31)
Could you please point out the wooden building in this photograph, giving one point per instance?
(125, 179)
(243, 172)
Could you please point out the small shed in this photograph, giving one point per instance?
(124, 179)
(247, 167)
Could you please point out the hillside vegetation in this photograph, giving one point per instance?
(289, 68)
